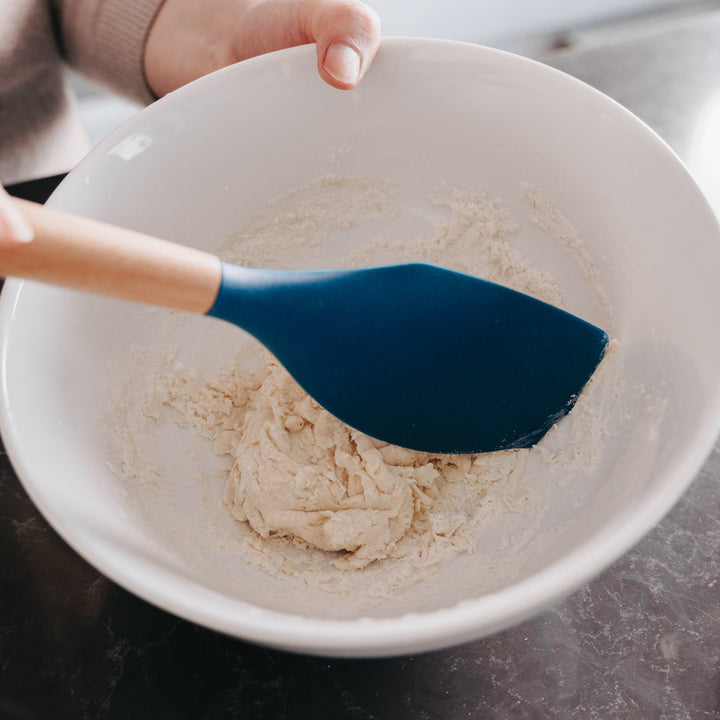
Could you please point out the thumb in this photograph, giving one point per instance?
(347, 34)
(14, 228)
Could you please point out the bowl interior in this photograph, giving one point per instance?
(195, 166)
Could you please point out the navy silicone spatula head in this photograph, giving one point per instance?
(418, 355)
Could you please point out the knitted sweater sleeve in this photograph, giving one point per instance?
(105, 40)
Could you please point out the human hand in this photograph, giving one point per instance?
(190, 39)
(14, 228)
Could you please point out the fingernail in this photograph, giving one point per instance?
(343, 63)
(15, 227)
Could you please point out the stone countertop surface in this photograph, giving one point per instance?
(641, 641)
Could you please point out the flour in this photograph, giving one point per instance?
(317, 500)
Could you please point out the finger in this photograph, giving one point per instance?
(347, 34)
(14, 228)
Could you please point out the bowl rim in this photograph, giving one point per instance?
(466, 620)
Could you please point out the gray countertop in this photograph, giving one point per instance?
(641, 641)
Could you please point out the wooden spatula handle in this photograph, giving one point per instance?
(89, 255)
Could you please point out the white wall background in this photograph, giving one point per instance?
(492, 21)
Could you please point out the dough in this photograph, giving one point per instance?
(302, 473)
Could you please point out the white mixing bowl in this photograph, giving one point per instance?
(195, 165)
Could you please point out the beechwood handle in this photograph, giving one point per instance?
(89, 255)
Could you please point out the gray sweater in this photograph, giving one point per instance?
(40, 132)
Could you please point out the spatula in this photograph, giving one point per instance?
(415, 354)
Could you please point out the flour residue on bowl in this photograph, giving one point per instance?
(317, 500)
(299, 473)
